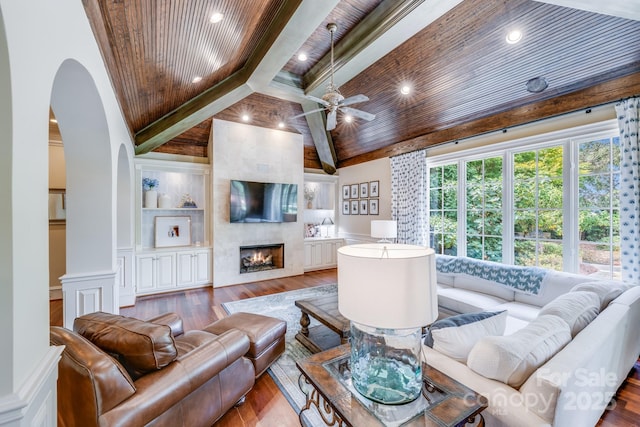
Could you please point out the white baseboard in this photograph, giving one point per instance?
(55, 292)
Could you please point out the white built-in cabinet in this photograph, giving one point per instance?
(161, 267)
(321, 253)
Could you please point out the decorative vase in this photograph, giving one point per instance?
(151, 199)
(164, 201)
(385, 363)
(309, 204)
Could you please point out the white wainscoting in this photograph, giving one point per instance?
(88, 293)
(35, 403)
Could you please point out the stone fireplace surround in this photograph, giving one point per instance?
(252, 153)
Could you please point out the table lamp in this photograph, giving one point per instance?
(384, 230)
(388, 292)
(327, 221)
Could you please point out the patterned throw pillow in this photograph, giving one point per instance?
(455, 336)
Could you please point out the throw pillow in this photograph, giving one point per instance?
(511, 359)
(455, 336)
(607, 291)
(577, 308)
(140, 346)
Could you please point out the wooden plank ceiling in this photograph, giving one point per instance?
(465, 78)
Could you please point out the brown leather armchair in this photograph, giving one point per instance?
(118, 371)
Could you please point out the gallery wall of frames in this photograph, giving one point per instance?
(361, 198)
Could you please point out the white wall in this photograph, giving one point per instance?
(253, 154)
(36, 37)
(358, 227)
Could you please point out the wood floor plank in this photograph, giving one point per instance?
(265, 405)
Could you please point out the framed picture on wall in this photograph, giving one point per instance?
(354, 207)
(354, 191)
(374, 189)
(373, 206)
(345, 207)
(364, 190)
(172, 231)
(346, 192)
(364, 207)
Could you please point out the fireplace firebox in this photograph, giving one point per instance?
(261, 257)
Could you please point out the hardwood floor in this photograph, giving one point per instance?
(265, 405)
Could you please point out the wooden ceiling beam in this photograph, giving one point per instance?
(599, 94)
(388, 26)
(321, 138)
(289, 29)
(356, 52)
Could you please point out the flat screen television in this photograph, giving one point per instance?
(263, 202)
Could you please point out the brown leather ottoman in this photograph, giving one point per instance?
(266, 336)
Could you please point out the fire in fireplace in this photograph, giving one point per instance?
(261, 258)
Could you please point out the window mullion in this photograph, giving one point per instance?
(462, 208)
(508, 180)
(570, 211)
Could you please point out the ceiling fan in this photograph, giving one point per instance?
(333, 100)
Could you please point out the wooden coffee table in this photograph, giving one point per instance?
(326, 381)
(333, 330)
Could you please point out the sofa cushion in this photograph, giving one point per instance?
(484, 286)
(446, 278)
(526, 312)
(465, 301)
(140, 346)
(607, 290)
(456, 335)
(577, 308)
(554, 284)
(513, 358)
(514, 324)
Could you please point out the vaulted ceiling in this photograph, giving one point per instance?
(174, 70)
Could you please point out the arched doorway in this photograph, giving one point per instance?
(89, 282)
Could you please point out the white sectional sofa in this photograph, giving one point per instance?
(552, 366)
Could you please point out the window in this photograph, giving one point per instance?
(443, 212)
(598, 204)
(484, 209)
(549, 203)
(538, 213)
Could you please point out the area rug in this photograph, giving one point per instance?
(284, 371)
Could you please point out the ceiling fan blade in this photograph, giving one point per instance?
(308, 112)
(354, 99)
(358, 113)
(318, 100)
(331, 120)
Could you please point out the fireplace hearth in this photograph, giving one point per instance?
(261, 257)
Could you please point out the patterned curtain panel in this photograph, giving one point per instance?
(628, 121)
(409, 197)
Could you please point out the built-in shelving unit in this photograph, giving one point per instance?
(321, 253)
(163, 267)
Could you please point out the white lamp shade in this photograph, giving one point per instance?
(387, 286)
(384, 229)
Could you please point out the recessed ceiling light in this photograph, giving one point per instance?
(216, 17)
(348, 118)
(302, 57)
(537, 84)
(281, 125)
(405, 90)
(245, 117)
(196, 79)
(514, 36)
(53, 120)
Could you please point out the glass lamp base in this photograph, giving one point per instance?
(385, 363)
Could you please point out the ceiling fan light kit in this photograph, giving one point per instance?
(333, 100)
